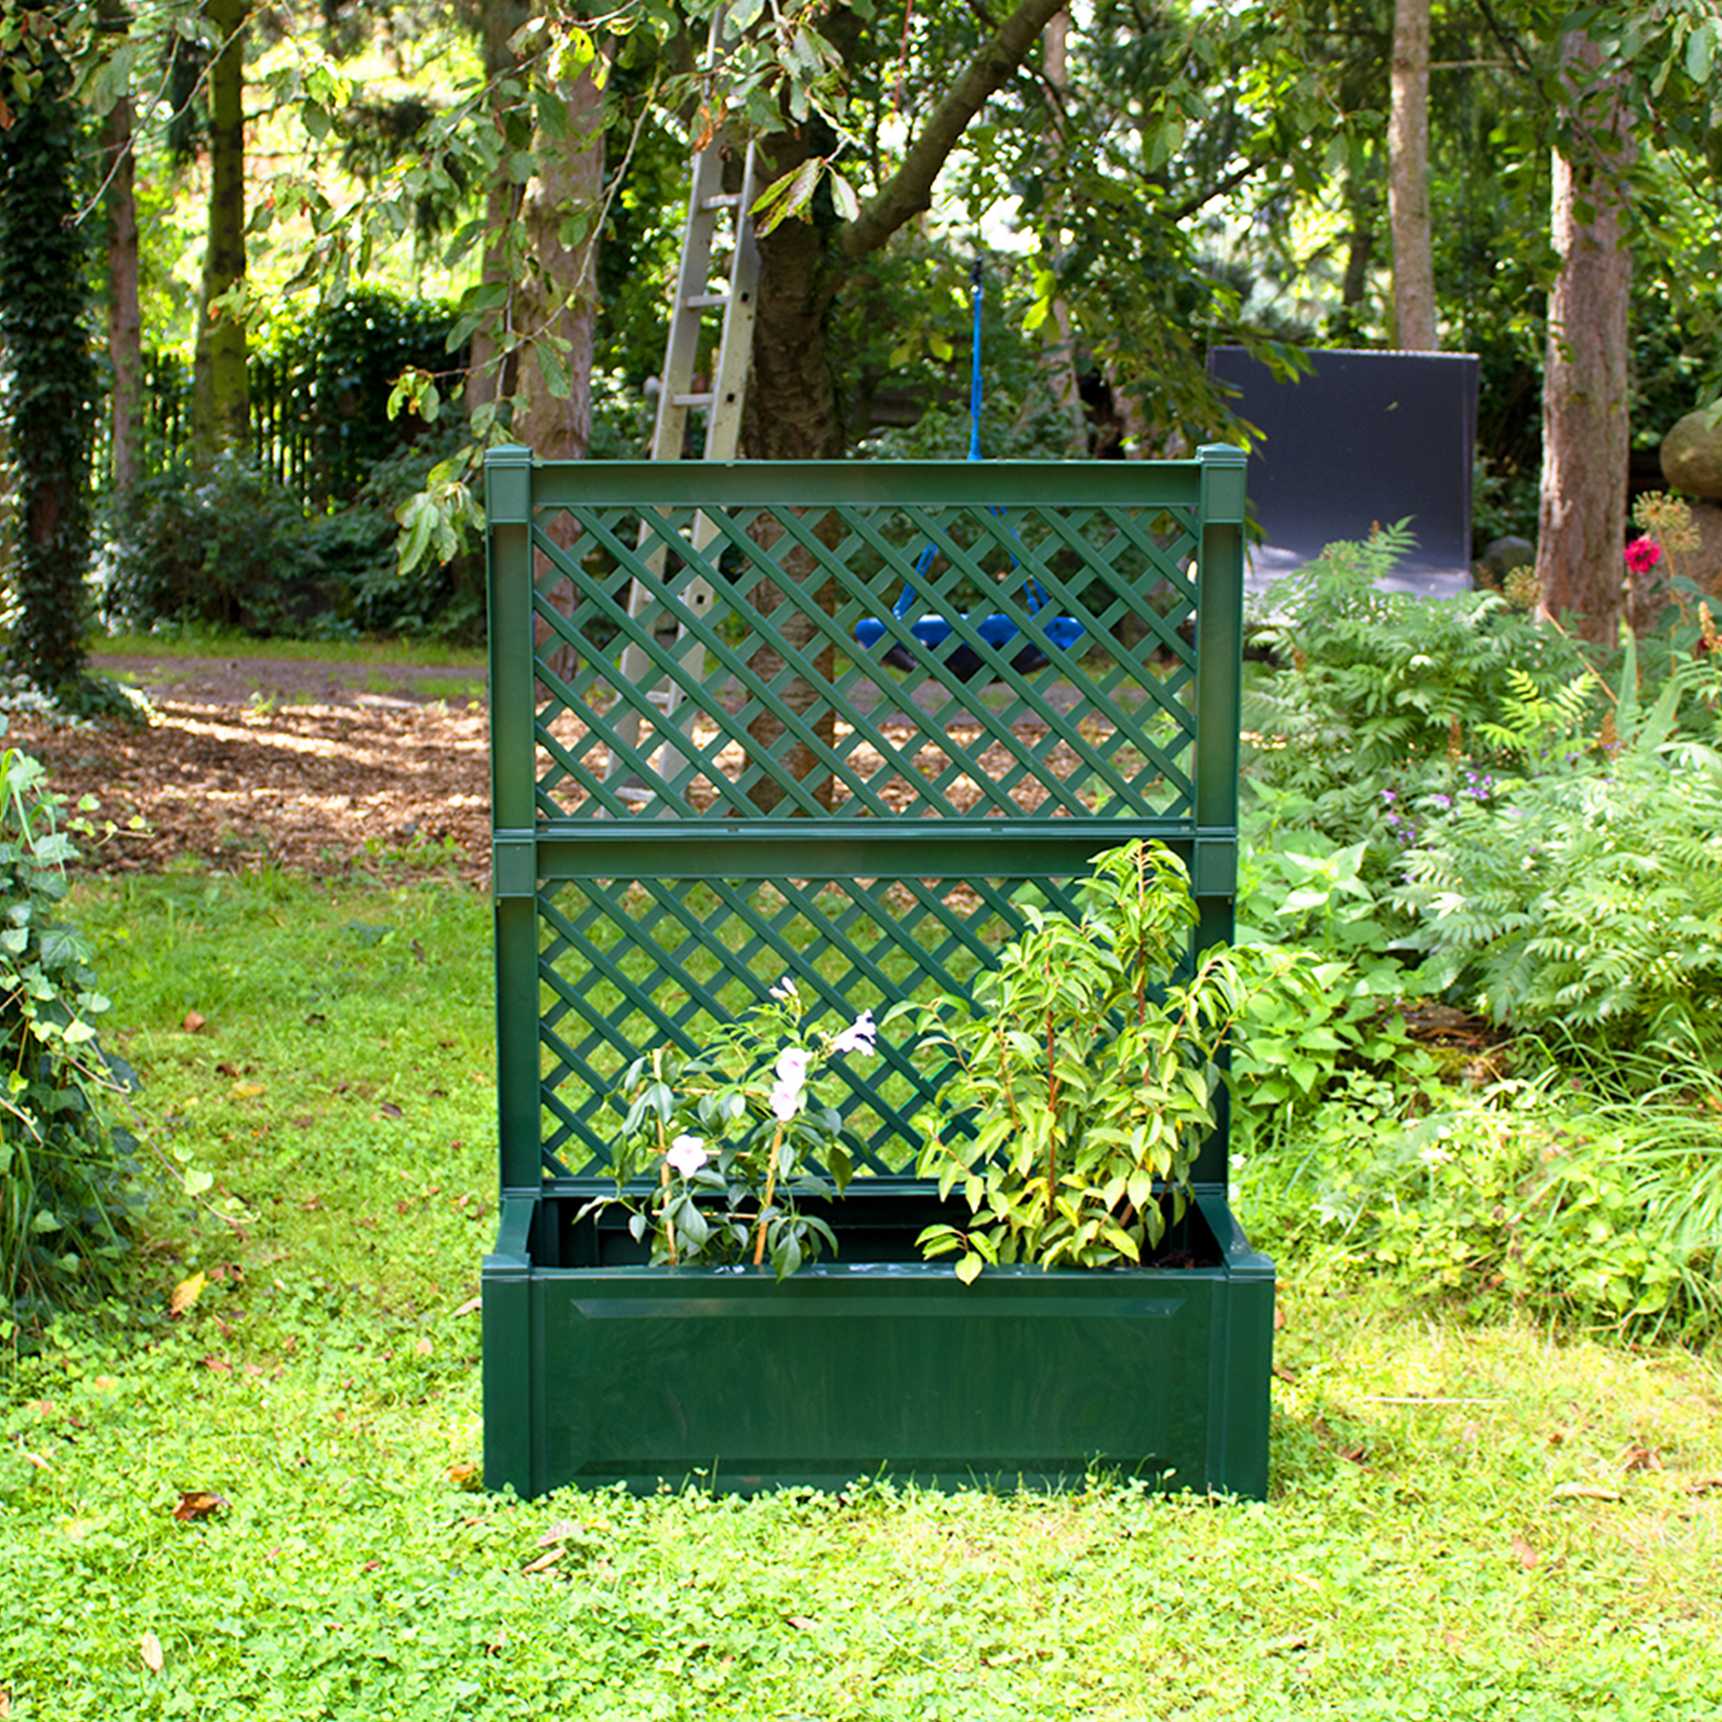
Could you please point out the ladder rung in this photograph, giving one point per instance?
(721, 200)
(705, 301)
(704, 400)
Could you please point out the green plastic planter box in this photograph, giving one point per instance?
(797, 806)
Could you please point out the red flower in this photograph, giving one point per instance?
(1643, 554)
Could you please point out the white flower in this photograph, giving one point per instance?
(687, 1155)
(792, 1065)
(786, 1100)
(785, 990)
(862, 1035)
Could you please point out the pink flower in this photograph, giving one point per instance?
(1643, 554)
(687, 1154)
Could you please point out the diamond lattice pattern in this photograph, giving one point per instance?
(1063, 685)
(629, 965)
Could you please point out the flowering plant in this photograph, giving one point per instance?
(716, 1148)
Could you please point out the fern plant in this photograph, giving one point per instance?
(1590, 893)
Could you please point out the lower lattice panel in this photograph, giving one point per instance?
(626, 966)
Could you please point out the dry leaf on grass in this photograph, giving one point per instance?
(149, 1652)
(195, 1504)
(1528, 1557)
(195, 1022)
(186, 1293)
(559, 1532)
(544, 1562)
(800, 1622)
(471, 1307)
(389, 1109)
(423, 1346)
(464, 1474)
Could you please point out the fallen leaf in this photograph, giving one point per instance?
(423, 1347)
(248, 1090)
(471, 1307)
(1279, 1316)
(1705, 1486)
(463, 1474)
(194, 1022)
(544, 1562)
(37, 1460)
(1585, 1492)
(149, 1649)
(801, 1623)
(1283, 1373)
(42, 1407)
(1295, 1641)
(219, 1365)
(186, 1293)
(370, 1566)
(1528, 1557)
(559, 1532)
(226, 1069)
(1637, 1458)
(5, 1704)
(389, 1109)
(196, 1504)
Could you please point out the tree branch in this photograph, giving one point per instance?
(909, 192)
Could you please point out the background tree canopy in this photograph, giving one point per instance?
(1145, 177)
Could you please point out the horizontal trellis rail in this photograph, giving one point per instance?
(771, 797)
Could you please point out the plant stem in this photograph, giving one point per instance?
(1051, 1093)
(770, 1191)
(664, 1163)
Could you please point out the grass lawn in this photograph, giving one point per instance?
(199, 645)
(1466, 1521)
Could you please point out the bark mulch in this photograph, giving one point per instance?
(340, 780)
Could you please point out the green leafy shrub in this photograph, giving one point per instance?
(68, 1182)
(1600, 1208)
(1588, 894)
(357, 552)
(1083, 1079)
(216, 542)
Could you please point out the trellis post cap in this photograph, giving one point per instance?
(1222, 483)
(508, 485)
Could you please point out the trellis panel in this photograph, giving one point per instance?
(800, 806)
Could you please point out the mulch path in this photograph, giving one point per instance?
(342, 780)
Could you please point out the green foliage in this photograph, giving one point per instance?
(1322, 989)
(1083, 1079)
(1387, 679)
(67, 1176)
(215, 541)
(47, 377)
(1600, 1207)
(1589, 894)
(725, 1143)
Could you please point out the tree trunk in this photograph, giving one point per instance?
(488, 375)
(792, 414)
(557, 292)
(47, 377)
(556, 306)
(221, 404)
(125, 324)
(1581, 521)
(1408, 181)
(792, 411)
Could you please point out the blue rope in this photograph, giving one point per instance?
(1033, 597)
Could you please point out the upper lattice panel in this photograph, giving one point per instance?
(967, 652)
